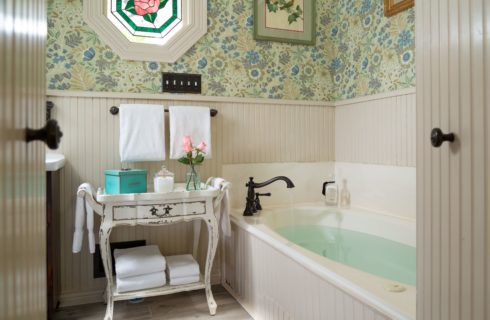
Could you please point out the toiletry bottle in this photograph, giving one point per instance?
(344, 195)
(331, 193)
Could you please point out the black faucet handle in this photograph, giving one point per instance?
(257, 204)
(268, 194)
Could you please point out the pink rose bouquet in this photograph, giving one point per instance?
(193, 156)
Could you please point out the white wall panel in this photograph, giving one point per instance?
(243, 132)
(377, 129)
(453, 191)
(22, 177)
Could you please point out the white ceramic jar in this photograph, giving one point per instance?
(163, 181)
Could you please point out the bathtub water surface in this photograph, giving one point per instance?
(376, 255)
(367, 254)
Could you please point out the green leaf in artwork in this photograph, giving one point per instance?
(288, 5)
(150, 17)
(293, 18)
(298, 10)
(130, 7)
(271, 7)
(163, 3)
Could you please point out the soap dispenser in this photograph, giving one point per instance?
(330, 191)
(344, 195)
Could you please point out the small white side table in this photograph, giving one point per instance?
(156, 209)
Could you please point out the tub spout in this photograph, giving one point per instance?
(253, 204)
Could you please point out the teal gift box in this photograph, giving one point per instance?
(125, 181)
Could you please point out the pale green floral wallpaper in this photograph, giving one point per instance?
(358, 52)
(367, 52)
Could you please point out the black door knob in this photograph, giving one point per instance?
(437, 137)
(50, 134)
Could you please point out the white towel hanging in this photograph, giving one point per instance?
(141, 132)
(83, 208)
(189, 121)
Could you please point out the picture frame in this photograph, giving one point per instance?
(393, 7)
(290, 21)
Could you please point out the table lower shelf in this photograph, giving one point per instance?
(159, 291)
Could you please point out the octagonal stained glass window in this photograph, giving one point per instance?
(146, 21)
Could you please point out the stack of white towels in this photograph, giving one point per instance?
(182, 269)
(145, 267)
(139, 268)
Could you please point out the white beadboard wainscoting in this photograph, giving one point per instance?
(271, 285)
(244, 131)
(453, 181)
(378, 129)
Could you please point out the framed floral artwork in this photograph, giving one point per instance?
(291, 21)
(392, 7)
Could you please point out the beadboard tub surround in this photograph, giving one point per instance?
(245, 131)
(377, 129)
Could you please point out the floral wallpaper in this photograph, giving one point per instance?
(358, 52)
(368, 52)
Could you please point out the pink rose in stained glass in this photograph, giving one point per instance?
(143, 7)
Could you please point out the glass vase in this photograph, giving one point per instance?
(192, 179)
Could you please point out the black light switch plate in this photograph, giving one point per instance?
(181, 82)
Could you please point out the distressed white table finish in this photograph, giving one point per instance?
(156, 209)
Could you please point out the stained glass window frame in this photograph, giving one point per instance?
(123, 20)
(167, 47)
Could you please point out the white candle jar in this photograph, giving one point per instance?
(163, 181)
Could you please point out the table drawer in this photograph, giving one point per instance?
(156, 211)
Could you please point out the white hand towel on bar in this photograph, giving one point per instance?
(83, 209)
(141, 132)
(184, 280)
(138, 261)
(189, 121)
(181, 266)
(147, 281)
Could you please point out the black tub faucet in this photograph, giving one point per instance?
(253, 202)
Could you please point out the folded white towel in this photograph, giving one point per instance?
(141, 132)
(184, 280)
(147, 281)
(181, 266)
(79, 219)
(189, 121)
(224, 207)
(138, 261)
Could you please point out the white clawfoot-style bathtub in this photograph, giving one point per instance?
(314, 262)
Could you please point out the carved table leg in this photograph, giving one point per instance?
(196, 224)
(105, 252)
(212, 245)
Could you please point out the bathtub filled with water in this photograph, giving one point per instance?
(368, 254)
